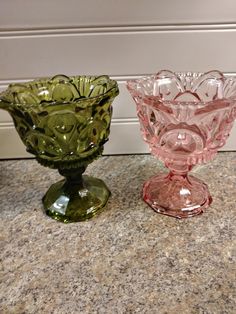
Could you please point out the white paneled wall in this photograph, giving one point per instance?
(33, 14)
(124, 39)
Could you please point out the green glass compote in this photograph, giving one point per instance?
(65, 121)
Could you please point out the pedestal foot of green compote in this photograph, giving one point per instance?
(76, 198)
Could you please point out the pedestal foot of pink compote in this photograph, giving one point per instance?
(179, 196)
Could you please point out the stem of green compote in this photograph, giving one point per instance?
(74, 178)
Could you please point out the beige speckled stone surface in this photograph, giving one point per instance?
(128, 259)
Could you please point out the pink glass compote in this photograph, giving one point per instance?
(185, 118)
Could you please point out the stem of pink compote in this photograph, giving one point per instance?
(179, 167)
(178, 170)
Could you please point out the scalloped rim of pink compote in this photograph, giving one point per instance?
(164, 105)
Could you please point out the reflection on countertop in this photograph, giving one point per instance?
(128, 259)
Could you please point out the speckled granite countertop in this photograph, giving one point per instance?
(128, 259)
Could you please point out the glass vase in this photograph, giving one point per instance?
(65, 122)
(185, 118)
